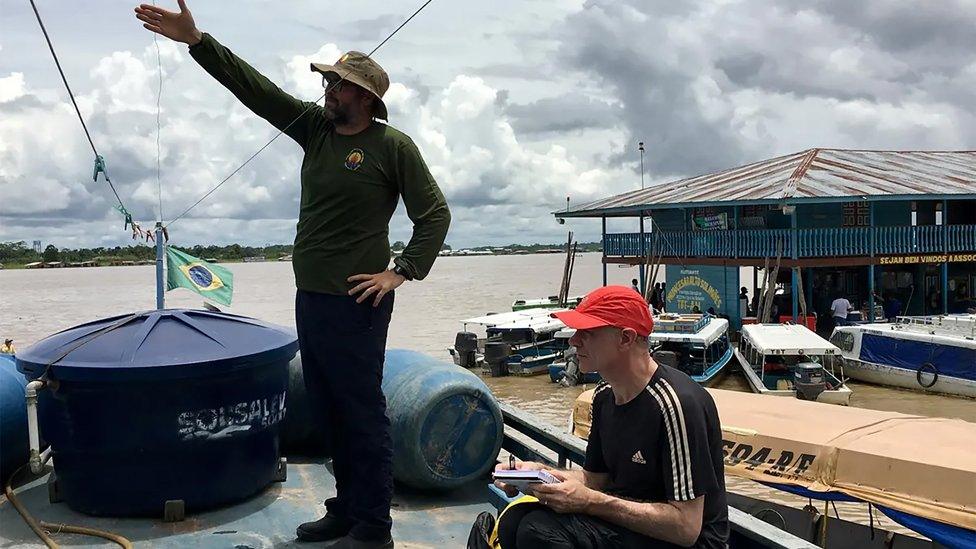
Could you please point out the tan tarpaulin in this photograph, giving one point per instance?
(920, 465)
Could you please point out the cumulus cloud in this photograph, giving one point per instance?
(708, 85)
(464, 131)
(514, 105)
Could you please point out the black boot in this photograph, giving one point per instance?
(326, 528)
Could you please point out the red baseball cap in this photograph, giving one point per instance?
(617, 306)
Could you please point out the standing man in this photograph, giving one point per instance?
(635, 287)
(743, 302)
(354, 171)
(839, 309)
(654, 472)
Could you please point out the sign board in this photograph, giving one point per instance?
(716, 222)
(700, 287)
(917, 259)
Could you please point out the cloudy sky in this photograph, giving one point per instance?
(515, 104)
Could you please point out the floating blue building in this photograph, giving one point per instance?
(898, 226)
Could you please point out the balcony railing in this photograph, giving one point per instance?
(810, 243)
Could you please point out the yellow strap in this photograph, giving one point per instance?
(493, 538)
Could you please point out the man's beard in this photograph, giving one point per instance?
(337, 114)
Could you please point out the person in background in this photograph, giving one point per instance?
(743, 302)
(892, 308)
(634, 286)
(8, 347)
(839, 310)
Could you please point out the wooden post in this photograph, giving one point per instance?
(945, 264)
(871, 265)
(643, 255)
(795, 290)
(604, 241)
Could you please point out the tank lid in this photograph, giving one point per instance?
(166, 344)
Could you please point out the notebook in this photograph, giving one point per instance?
(524, 479)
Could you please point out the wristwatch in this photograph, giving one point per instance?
(402, 272)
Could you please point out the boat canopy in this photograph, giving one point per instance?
(918, 470)
(915, 465)
(705, 336)
(787, 339)
(537, 320)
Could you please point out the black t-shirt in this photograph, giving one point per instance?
(664, 445)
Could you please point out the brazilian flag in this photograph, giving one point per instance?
(209, 280)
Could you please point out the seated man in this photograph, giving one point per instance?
(653, 475)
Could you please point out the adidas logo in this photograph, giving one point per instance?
(638, 458)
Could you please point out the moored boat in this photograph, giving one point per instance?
(698, 345)
(551, 302)
(517, 343)
(934, 353)
(790, 360)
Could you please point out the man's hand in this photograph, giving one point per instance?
(175, 26)
(512, 491)
(379, 284)
(568, 496)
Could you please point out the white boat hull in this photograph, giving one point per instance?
(841, 396)
(880, 374)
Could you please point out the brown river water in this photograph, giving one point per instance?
(35, 303)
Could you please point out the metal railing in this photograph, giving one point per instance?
(824, 242)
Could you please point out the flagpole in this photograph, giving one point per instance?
(159, 266)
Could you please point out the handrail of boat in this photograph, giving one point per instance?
(962, 325)
(568, 449)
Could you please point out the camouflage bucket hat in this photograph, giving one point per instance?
(361, 70)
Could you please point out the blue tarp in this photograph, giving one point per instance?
(910, 354)
(946, 534)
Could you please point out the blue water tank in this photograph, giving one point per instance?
(13, 418)
(447, 426)
(162, 405)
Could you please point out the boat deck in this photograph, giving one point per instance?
(264, 521)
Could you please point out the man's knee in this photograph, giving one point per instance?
(541, 528)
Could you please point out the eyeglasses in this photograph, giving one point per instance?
(335, 85)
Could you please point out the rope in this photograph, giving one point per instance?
(290, 124)
(73, 102)
(42, 529)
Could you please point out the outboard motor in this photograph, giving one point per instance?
(466, 349)
(496, 353)
(809, 380)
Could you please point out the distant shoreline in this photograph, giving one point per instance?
(145, 262)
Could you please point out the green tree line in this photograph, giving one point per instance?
(14, 253)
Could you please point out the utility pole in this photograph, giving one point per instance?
(640, 147)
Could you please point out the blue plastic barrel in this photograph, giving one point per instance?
(304, 431)
(162, 405)
(13, 418)
(447, 426)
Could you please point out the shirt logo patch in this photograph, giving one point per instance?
(639, 458)
(355, 159)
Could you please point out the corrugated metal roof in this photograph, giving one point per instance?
(807, 175)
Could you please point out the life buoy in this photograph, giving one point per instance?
(930, 368)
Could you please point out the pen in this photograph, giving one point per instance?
(511, 461)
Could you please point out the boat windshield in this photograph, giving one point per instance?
(691, 358)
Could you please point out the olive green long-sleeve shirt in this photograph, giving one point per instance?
(350, 183)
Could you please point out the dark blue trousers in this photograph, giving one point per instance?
(343, 346)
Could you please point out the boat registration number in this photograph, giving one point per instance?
(777, 463)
